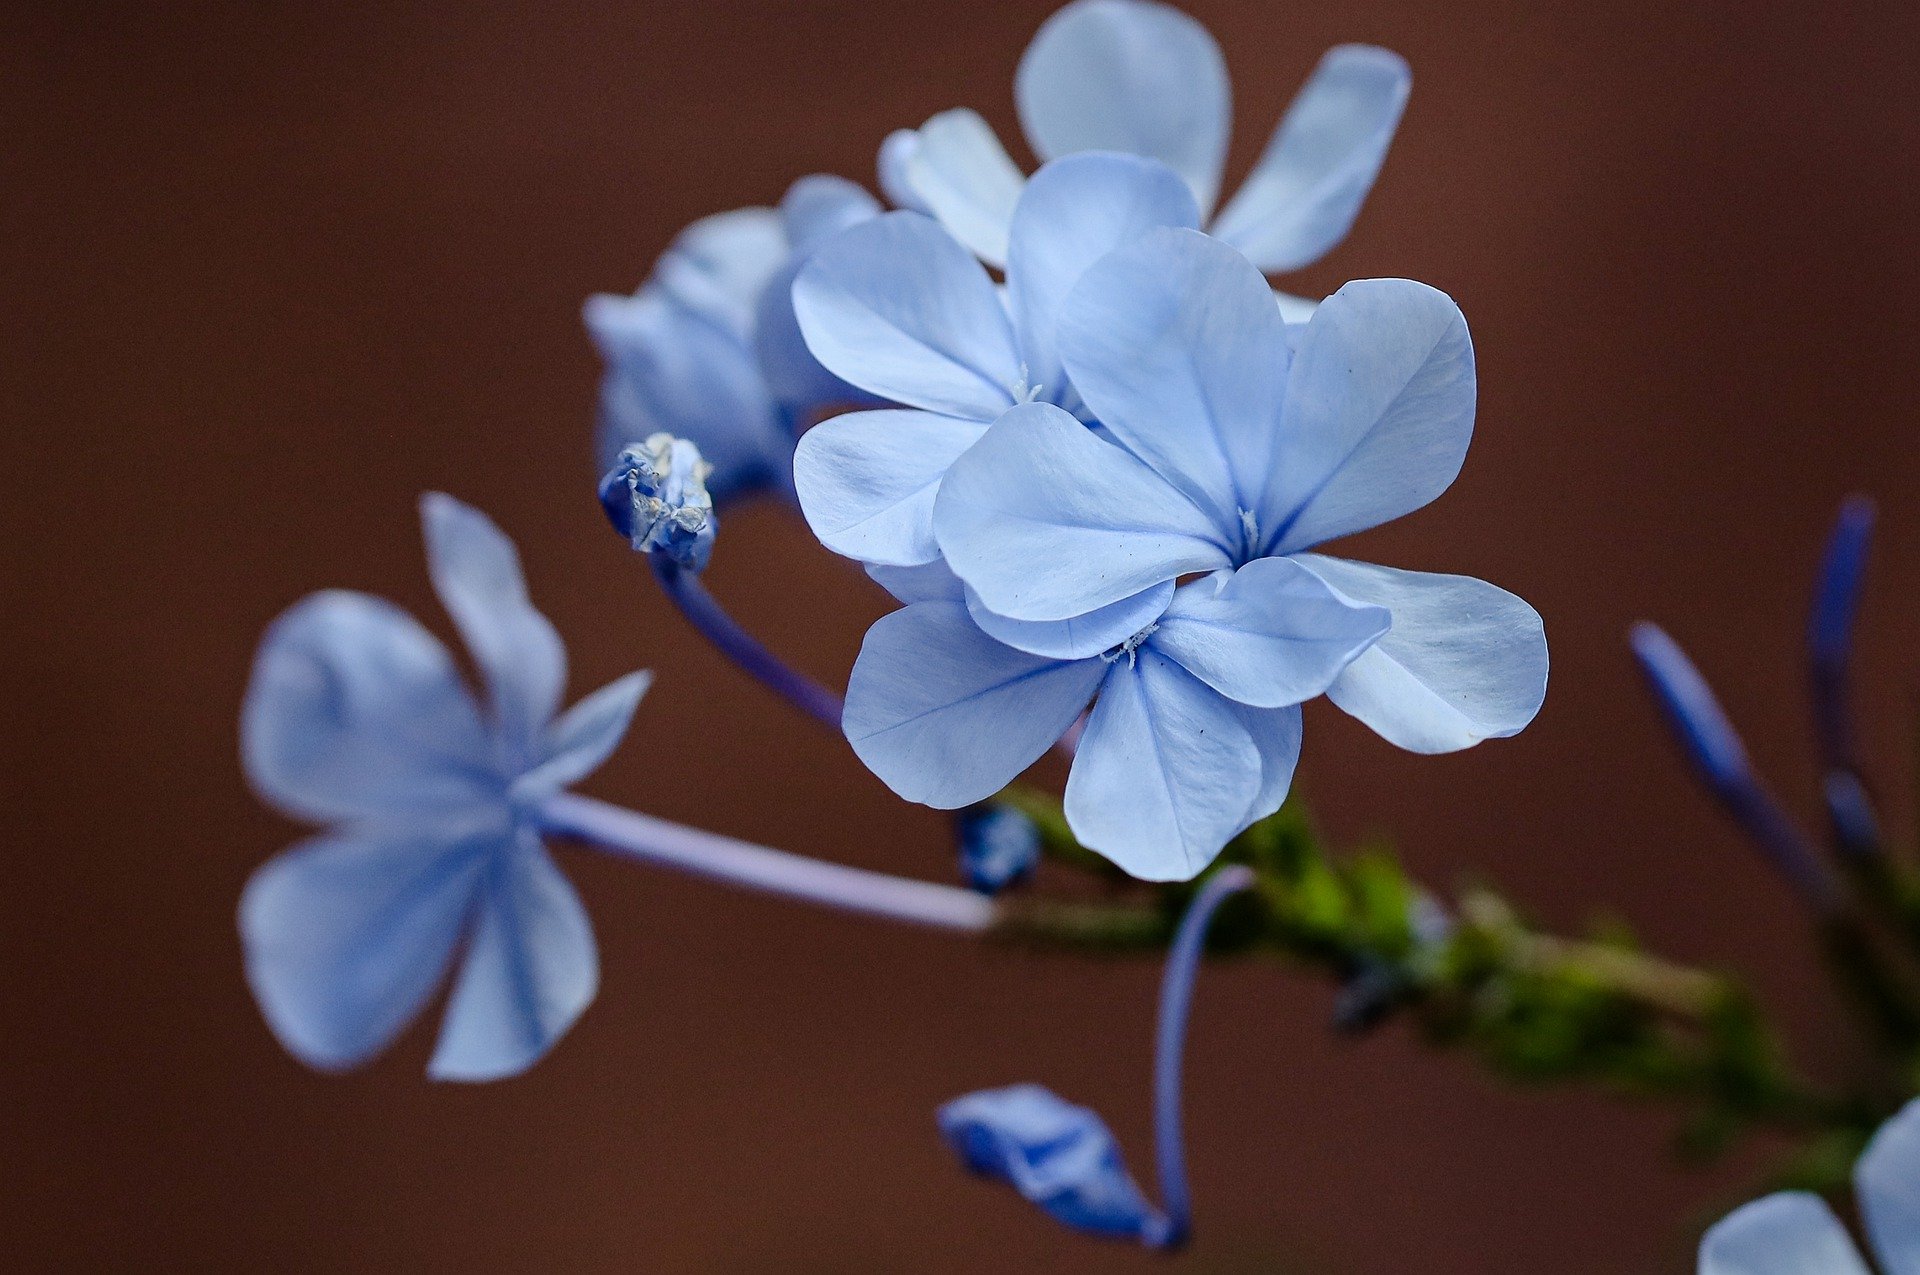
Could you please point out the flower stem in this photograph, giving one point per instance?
(705, 613)
(741, 863)
(1170, 1038)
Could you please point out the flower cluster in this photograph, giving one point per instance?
(1068, 423)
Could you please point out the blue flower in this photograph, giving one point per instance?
(356, 717)
(1230, 440)
(1223, 451)
(900, 309)
(708, 349)
(1194, 733)
(1144, 78)
(1795, 1233)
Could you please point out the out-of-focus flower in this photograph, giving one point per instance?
(1141, 77)
(1795, 1233)
(1194, 733)
(897, 307)
(999, 847)
(708, 349)
(357, 717)
(656, 496)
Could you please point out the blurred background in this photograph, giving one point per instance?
(269, 270)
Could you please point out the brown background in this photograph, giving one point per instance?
(271, 270)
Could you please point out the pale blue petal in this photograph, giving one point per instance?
(348, 935)
(719, 266)
(1177, 346)
(476, 572)
(819, 206)
(1887, 1178)
(1164, 773)
(584, 737)
(356, 712)
(867, 481)
(1059, 1156)
(1788, 1233)
(1081, 636)
(1075, 211)
(1379, 413)
(947, 716)
(1302, 196)
(531, 968)
(896, 152)
(1464, 660)
(898, 308)
(929, 582)
(816, 208)
(1271, 634)
(1128, 75)
(1277, 733)
(672, 370)
(959, 172)
(1046, 521)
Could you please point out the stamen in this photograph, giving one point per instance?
(1131, 647)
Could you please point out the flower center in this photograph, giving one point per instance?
(1130, 649)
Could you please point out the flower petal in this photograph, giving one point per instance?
(1464, 660)
(959, 172)
(815, 209)
(671, 369)
(1269, 635)
(1887, 1178)
(819, 206)
(476, 572)
(347, 936)
(1303, 194)
(1379, 413)
(531, 969)
(1177, 346)
(1060, 1156)
(896, 152)
(898, 308)
(1277, 733)
(1133, 76)
(1787, 1233)
(355, 712)
(584, 737)
(867, 481)
(1081, 636)
(947, 716)
(719, 266)
(929, 582)
(1164, 773)
(1075, 211)
(1047, 521)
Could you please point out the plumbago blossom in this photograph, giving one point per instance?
(1047, 556)
(356, 717)
(708, 349)
(1144, 78)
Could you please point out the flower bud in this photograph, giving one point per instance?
(656, 496)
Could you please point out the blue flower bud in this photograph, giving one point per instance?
(1691, 709)
(999, 847)
(1836, 602)
(1061, 1157)
(656, 496)
(1850, 812)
